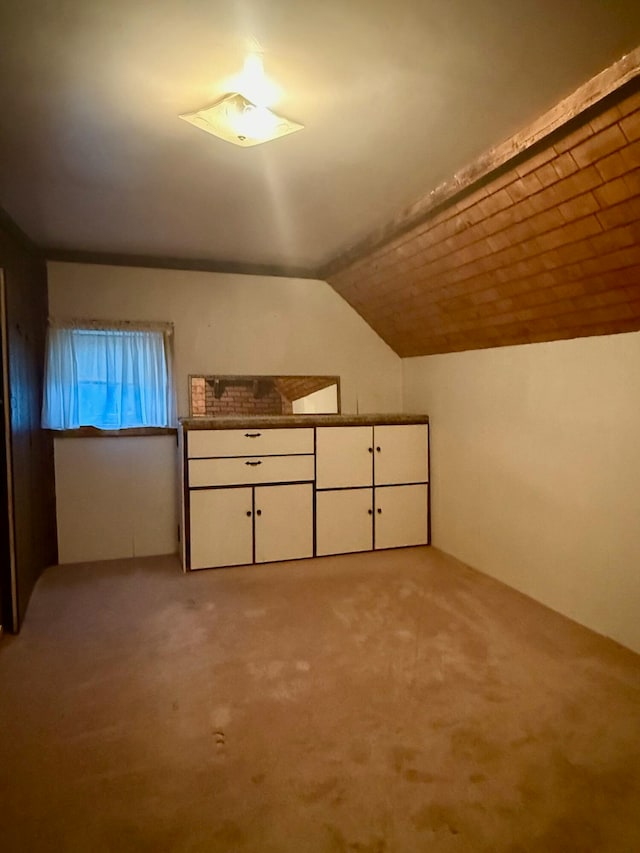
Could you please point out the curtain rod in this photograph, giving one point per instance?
(110, 325)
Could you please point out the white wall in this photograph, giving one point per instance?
(324, 401)
(536, 470)
(223, 324)
(116, 497)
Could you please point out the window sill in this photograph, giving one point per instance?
(94, 432)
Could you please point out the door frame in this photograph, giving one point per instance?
(8, 578)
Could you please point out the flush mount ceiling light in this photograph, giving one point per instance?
(245, 119)
(236, 119)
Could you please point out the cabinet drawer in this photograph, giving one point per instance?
(246, 442)
(252, 469)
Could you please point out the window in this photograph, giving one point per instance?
(109, 377)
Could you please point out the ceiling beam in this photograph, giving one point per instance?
(168, 263)
(604, 84)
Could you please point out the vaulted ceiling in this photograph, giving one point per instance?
(396, 98)
(546, 247)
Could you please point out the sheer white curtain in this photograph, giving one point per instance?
(107, 378)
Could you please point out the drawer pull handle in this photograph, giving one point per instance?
(259, 462)
(252, 434)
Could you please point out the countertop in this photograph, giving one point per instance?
(266, 421)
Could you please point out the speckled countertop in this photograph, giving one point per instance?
(265, 421)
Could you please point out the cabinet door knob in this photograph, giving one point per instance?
(371, 450)
(249, 513)
(378, 449)
(370, 511)
(259, 512)
(379, 511)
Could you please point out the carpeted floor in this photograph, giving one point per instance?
(377, 703)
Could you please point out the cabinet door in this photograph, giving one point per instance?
(344, 521)
(400, 454)
(344, 457)
(284, 522)
(221, 527)
(400, 516)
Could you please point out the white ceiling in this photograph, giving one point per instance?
(395, 96)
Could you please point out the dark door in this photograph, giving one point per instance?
(8, 614)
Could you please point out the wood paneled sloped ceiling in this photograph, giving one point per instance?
(545, 248)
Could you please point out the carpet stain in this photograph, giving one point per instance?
(266, 670)
(403, 634)
(288, 691)
(439, 723)
(413, 775)
(339, 843)
(436, 818)
(496, 697)
(409, 589)
(221, 716)
(567, 833)
(523, 741)
(401, 755)
(318, 790)
(255, 613)
(468, 743)
(360, 753)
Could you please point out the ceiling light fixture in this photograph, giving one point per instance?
(237, 118)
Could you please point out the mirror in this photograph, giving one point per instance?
(217, 396)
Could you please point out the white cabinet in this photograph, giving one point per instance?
(394, 513)
(401, 514)
(249, 442)
(245, 508)
(221, 527)
(283, 522)
(344, 457)
(260, 495)
(350, 456)
(234, 527)
(343, 521)
(400, 454)
(255, 469)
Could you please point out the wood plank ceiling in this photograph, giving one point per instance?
(545, 248)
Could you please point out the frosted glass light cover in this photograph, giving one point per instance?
(236, 119)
